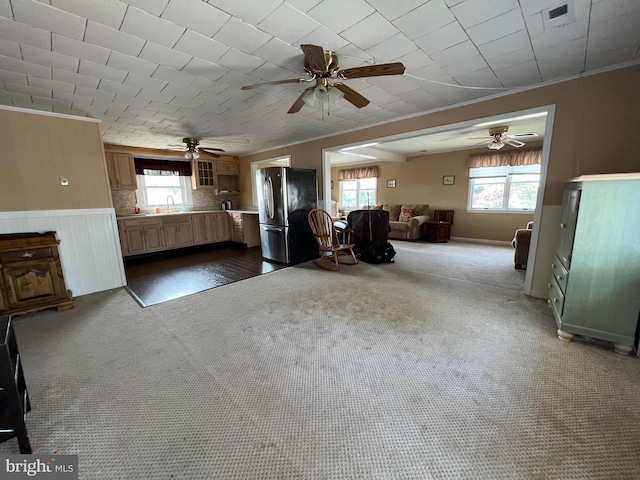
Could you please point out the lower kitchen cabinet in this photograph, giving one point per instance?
(178, 231)
(141, 235)
(31, 276)
(246, 228)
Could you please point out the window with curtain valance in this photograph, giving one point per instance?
(148, 166)
(357, 173)
(515, 158)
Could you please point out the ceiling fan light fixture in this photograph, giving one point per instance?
(335, 95)
(320, 93)
(189, 155)
(309, 98)
(496, 145)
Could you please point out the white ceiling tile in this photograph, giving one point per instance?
(117, 87)
(560, 67)
(339, 15)
(164, 56)
(107, 37)
(618, 31)
(75, 48)
(54, 85)
(173, 76)
(50, 59)
(28, 90)
(54, 102)
(457, 54)
(201, 46)
(107, 12)
(501, 62)
(49, 18)
(521, 75)
(425, 19)
(9, 48)
(239, 61)
(126, 100)
(195, 15)
(156, 7)
(415, 59)
(468, 64)
(75, 78)
(603, 11)
(360, 34)
(501, 46)
(298, 24)
(392, 48)
(600, 59)
(326, 38)
(497, 27)
(392, 84)
(205, 69)
(238, 34)
(394, 9)
(443, 38)
(149, 27)
(210, 86)
(479, 78)
(100, 71)
(303, 5)
(250, 12)
(156, 96)
(163, 107)
(14, 77)
(187, 102)
(278, 52)
(69, 97)
(101, 96)
(128, 63)
(21, 33)
(144, 82)
(560, 35)
(473, 12)
(268, 72)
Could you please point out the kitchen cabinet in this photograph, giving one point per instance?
(202, 175)
(121, 170)
(227, 167)
(217, 227)
(227, 176)
(595, 277)
(199, 229)
(246, 228)
(178, 231)
(31, 276)
(141, 235)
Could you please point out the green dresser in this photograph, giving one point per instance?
(595, 283)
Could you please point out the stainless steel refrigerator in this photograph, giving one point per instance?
(285, 196)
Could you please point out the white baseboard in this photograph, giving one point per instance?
(481, 240)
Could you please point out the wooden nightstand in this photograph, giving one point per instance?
(438, 232)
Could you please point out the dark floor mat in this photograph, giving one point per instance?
(157, 278)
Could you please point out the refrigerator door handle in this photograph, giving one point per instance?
(269, 228)
(268, 197)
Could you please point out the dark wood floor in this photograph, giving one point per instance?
(165, 276)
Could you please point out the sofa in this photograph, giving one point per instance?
(520, 242)
(407, 221)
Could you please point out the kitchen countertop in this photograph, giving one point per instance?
(190, 212)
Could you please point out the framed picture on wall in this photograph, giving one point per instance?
(391, 184)
(448, 180)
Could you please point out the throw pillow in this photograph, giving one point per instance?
(407, 214)
(394, 212)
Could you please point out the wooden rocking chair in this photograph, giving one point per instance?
(331, 244)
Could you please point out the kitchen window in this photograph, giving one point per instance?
(155, 190)
(358, 193)
(504, 189)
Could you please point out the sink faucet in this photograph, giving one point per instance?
(172, 202)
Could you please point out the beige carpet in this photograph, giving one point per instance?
(436, 366)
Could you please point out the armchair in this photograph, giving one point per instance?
(520, 242)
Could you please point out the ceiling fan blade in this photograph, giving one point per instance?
(513, 143)
(215, 155)
(350, 95)
(372, 71)
(210, 148)
(314, 58)
(276, 82)
(299, 103)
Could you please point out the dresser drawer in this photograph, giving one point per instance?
(27, 254)
(556, 298)
(560, 274)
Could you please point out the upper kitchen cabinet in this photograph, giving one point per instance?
(228, 176)
(122, 173)
(202, 175)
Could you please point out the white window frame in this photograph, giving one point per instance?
(508, 174)
(357, 190)
(142, 198)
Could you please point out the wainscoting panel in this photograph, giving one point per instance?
(89, 244)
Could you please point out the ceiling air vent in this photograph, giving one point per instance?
(559, 15)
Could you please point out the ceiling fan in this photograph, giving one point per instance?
(500, 138)
(322, 67)
(193, 151)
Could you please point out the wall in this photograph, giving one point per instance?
(35, 150)
(596, 119)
